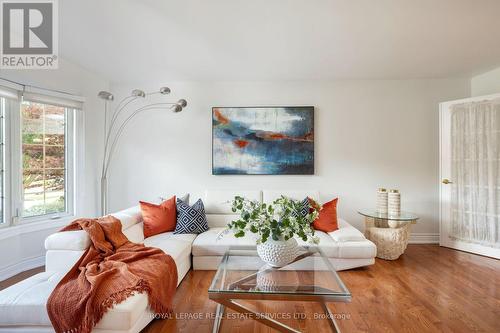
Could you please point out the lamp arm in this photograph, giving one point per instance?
(118, 111)
(120, 130)
(106, 144)
(122, 101)
(119, 108)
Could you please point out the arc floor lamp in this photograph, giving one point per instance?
(117, 125)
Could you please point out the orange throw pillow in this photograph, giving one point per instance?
(159, 218)
(327, 219)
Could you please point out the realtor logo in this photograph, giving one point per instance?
(29, 34)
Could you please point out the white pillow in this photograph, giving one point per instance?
(346, 233)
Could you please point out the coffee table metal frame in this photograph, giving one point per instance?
(227, 297)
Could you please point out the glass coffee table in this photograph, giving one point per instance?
(242, 275)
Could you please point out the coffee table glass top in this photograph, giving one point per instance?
(403, 216)
(241, 271)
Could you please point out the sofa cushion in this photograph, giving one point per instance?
(214, 243)
(346, 232)
(219, 201)
(327, 244)
(177, 246)
(220, 220)
(135, 233)
(25, 304)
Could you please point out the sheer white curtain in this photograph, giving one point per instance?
(475, 171)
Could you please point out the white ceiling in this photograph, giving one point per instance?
(131, 41)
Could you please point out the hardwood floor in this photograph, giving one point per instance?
(19, 277)
(428, 289)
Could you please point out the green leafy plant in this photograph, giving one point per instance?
(280, 220)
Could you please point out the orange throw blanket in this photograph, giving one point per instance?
(111, 270)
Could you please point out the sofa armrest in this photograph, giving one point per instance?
(68, 240)
(79, 240)
(61, 260)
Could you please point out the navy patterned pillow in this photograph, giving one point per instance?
(304, 209)
(190, 219)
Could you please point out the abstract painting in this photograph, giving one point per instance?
(263, 140)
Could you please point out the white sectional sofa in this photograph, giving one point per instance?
(22, 306)
(347, 247)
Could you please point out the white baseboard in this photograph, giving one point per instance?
(27, 264)
(424, 238)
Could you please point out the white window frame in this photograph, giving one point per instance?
(7, 216)
(75, 158)
(4, 168)
(17, 186)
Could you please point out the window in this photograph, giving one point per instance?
(44, 145)
(46, 135)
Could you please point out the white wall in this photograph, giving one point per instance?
(26, 250)
(486, 84)
(368, 134)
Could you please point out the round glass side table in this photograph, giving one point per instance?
(389, 232)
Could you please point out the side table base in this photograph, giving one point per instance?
(390, 242)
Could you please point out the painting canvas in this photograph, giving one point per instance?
(263, 140)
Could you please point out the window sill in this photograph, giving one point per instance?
(25, 228)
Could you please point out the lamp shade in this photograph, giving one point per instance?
(177, 108)
(138, 93)
(106, 95)
(164, 90)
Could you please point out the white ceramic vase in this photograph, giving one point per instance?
(278, 253)
(382, 201)
(270, 280)
(394, 202)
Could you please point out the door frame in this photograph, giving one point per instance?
(445, 190)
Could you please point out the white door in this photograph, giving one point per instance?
(470, 175)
